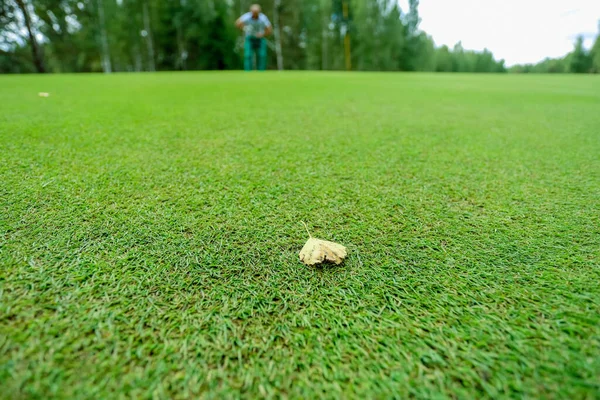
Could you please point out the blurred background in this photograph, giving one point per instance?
(164, 35)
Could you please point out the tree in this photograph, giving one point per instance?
(220, 42)
(106, 65)
(147, 33)
(443, 60)
(580, 60)
(424, 57)
(412, 19)
(380, 36)
(36, 51)
(15, 57)
(277, 34)
(595, 53)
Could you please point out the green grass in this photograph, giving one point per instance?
(150, 230)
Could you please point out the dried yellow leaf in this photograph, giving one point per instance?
(316, 251)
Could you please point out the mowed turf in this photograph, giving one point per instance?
(151, 224)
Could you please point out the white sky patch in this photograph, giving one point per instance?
(519, 31)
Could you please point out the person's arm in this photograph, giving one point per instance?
(268, 27)
(241, 22)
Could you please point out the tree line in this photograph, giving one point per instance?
(163, 35)
(580, 60)
(151, 35)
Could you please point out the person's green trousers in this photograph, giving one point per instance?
(255, 47)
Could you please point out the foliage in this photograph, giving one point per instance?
(595, 56)
(579, 60)
(148, 35)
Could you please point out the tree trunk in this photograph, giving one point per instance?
(38, 59)
(106, 64)
(180, 42)
(137, 58)
(181, 50)
(324, 43)
(277, 33)
(347, 54)
(149, 42)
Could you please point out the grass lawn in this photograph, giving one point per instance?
(150, 230)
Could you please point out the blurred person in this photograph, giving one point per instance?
(256, 26)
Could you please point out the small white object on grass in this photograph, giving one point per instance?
(43, 94)
(317, 251)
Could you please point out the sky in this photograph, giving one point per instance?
(519, 31)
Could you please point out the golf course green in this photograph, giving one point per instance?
(150, 226)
